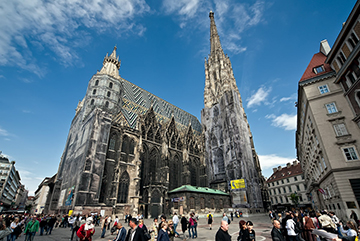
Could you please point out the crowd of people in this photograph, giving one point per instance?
(312, 226)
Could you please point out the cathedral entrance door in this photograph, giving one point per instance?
(155, 210)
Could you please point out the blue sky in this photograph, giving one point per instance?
(50, 49)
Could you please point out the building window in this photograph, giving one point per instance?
(108, 94)
(112, 143)
(97, 82)
(290, 189)
(192, 203)
(279, 191)
(110, 85)
(342, 57)
(202, 203)
(298, 187)
(300, 198)
(123, 188)
(331, 108)
(94, 91)
(350, 153)
(340, 129)
(287, 180)
(353, 40)
(92, 102)
(319, 69)
(357, 97)
(284, 190)
(321, 169)
(338, 205)
(272, 184)
(295, 178)
(212, 203)
(323, 162)
(350, 79)
(282, 181)
(107, 104)
(281, 199)
(323, 89)
(277, 182)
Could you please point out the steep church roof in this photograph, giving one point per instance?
(188, 188)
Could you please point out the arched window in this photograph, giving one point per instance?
(123, 192)
(173, 142)
(221, 203)
(108, 94)
(92, 102)
(202, 203)
(212, 203)
(112, 142)
(94, 91)
(153, 160)
(125, 144)
(97, 82)
(156, 197)
(107, 104)
(193, 174)
(357, 97)
(158, 137)
(131, 146)
(192, 203)
(150, 134)
(110, 85)
(174, 170)
(143, 132)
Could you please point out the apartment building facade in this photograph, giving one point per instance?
(327, 138)
(9, 183)
(286, 182)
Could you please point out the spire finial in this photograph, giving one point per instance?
(215, 44)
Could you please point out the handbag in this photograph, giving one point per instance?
(147, 235)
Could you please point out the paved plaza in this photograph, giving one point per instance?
(262, 227)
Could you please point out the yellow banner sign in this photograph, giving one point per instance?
(237, 184)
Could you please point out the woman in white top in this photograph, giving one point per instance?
(290, 227)
(351, 231)
(13, 225)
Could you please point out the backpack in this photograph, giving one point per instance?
(210, 217)
(229, 221)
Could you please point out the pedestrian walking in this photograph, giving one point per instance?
(121, 232)
(87, 230)
(31, 229)
(222, 234)
(176, 221)
(276, 234)
(210, 218)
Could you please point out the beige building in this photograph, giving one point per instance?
(41, 195)
(327, 138)
(284, 182)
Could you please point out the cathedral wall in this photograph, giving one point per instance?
(227, 147)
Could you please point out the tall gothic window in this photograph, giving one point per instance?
(212, 203)
(112, 142)
(125, 144)
(150, 134)
(152, 165)
(193, 174)
(173, 142)
(158, 137)
(123, 192)
(174, 170)
(143, 132)
(156, 197)
(192, 203)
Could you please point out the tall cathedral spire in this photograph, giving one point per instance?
(219, 76)
(111, 64)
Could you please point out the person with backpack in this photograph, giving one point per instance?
(210, 218)
(31, 228)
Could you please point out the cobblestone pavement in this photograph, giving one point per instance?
(262, 227)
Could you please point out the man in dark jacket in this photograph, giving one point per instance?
(135, 233)
(121, 235)
(276, 234)
(222, 234)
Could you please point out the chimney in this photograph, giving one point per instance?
(274, 169)
(295, 162)
(325, 47)
(288, 164)
(279, 168)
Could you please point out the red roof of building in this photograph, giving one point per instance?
(316, 61)
(286, 172)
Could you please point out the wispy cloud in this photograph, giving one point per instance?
(273, 160)
(61, 27)
(26, 111)
(260, 96)
(285, 121)
(292, 97)
(4, 132)
(232, 18)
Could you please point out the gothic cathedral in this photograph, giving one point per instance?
(127, 149)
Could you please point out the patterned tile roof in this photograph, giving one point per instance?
(136, 101)
(188, 188)
(316, 61)
(285, 172)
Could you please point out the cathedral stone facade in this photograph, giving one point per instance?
(229, 149)
(127, 148)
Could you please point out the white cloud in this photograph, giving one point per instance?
(259, 97)
(4, 132)
(292, 97)
(60, 26)
(231, 18)
(285, 121)
(272, 160)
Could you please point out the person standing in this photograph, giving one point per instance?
(225, 218)
(232, 216)
(163, 234)
(191, 226)
(76, 226)
(14, 226)
(103, 227)
(354, 216)
(87, 230)
(175, 220)
(31, 228)
(184, 224)
(121, 233)
(290, 227)
(135, 233)
(222, 234)
(276, 234)
(243, 232)
(210, 218)
(42, 225)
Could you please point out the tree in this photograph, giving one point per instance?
(294, 197)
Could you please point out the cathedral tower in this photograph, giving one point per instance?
(228, 145)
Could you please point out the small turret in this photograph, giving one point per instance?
(111, 64)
